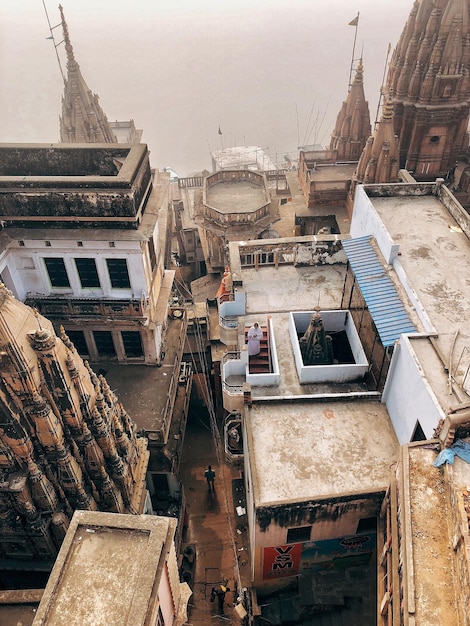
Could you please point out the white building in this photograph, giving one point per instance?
(84, 231)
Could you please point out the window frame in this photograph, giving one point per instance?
(87, 271)
(115, 277)
(52, 273)
(299, 534)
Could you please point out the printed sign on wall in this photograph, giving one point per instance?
(328, 554)
(281, 561)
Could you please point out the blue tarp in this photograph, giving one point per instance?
(459, 448)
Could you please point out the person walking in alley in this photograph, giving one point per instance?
(219, 593)
(210, 475)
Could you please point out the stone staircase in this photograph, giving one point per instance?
(260, 363)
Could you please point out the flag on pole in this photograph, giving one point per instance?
(220, 132)
(355, 21)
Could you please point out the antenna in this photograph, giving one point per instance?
(355, 23)
(56, 45)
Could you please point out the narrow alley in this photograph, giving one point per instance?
(215, 537)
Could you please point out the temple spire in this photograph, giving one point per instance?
(353, 122)
(83, 119)
(379, 160)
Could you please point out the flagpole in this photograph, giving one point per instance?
(354, 22)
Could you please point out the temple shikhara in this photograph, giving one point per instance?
(66, 442)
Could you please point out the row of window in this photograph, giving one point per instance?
(301, 534)
(104, 343)
(88, 273)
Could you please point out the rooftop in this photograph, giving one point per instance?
(64, 186)
(94, 580)
(315, 457)
(240, 196)
(156, 200)
(243, 157)
(428, 252)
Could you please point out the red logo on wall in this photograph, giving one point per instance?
(281, 561)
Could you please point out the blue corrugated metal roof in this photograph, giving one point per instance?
(381, 297)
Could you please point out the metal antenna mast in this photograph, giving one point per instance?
(56, 45)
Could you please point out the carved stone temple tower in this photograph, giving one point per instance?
(83, 119)
(379, 159)
(429, 85)
(352, 127)
(66, 442)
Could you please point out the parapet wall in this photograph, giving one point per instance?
(459, 527)
(66, 186)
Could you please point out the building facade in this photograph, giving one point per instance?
(84, 234)
(233, 205)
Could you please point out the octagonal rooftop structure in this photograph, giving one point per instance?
(232, 191)
(236, 204)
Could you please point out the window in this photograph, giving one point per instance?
(435, 139)
(77, 337)
(57, 273)
(418, 434)
(132, 343)
(367, 525)
(118, 273)
(298, 535)
(87, 273)
(104, 343)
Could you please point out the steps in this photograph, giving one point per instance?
(260, 363)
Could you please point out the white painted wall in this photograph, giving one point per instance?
(408, 395)
(333, 321)
(27, 271)
(366, 221)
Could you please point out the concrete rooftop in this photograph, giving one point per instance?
(277, 292)
(316, 450)
(94, 580)
(434, 253)
(237, 196)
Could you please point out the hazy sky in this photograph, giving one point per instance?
(271, 73)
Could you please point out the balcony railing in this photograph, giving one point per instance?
(230, 219)
(64, 306)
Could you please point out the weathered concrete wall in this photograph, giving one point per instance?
(366, 221)
(460, 511)
(27, 160)
(61, 187)
(330, 518)
(333, 522)
(408, 395)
